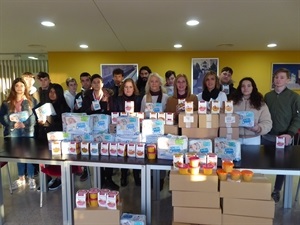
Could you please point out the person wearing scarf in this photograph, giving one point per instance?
(155, 92)
(211, 89)
(182, 90)
(127, 92)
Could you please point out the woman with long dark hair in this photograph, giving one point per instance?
(16, 116)
(247, 98)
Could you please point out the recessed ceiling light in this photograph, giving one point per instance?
(272, 45)
(32, 57)
(48, 24)
(192, 22)
(83, 46)
(177, 46)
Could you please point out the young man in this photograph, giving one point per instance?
(226, 83)
(144, 73)
(71, 92)
(45, 83)
(86, 84)
(85, 80)
(284, 106)
(114, 85)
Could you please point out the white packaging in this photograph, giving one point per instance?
(94, 148)
(104, 150)
(131, 149)
(226, 148)
(81, 198)
(203, 146)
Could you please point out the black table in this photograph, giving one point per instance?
(260, 159)
(29, 150)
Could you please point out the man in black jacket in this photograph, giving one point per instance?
(226, 83)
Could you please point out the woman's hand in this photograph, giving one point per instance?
(19, 125)
(255, 129)
(287, 138)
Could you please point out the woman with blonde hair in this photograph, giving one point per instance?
(182, 91)
(155, 93)
(211, 88)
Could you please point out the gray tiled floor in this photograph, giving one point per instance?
(22, 207)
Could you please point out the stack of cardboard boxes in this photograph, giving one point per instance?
(195, 199)
(247, 202)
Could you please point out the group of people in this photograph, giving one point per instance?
(275, 114)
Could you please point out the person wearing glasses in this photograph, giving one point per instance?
(226, 82)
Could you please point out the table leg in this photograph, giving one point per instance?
(143, 190)
(67, 196)
(148, 195)
(288, 192)
(1, 201)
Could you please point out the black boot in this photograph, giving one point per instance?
(136, 176)
(124, 177)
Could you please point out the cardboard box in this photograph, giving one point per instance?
(196, 199)
(232, 133)
(200, 182)
(188, 120)
(260, 188)
(178, 223)
(208, 120)
(205, 133)
(92, 216)
(248, 207)
(238, 220)
(229, 120)
(171, 129)
(197, 215)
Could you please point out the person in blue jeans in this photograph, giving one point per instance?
(284, 106)
(17, 118)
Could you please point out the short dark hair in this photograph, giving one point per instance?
(42, 75)
(94, 76)
(85, 74)
(169, 73)
(227, 69)
(118, 71)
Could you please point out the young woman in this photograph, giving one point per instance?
(96, 101)
(247, 98)
(128, 92)
(155, 92)
(16, 116)
(53, 123)
(211, 88)
(182, 91)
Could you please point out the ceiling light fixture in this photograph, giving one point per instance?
(192, 22)
(32, 57)
(48, 24)
(272, 45)
(177, 46)
(83, 46)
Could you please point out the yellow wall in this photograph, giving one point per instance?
(255, 64)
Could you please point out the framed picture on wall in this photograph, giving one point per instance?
(106, 70)
(199, 68)
(294, 68)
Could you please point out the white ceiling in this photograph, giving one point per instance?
(148, 25)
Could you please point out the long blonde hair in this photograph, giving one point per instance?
(147, 87)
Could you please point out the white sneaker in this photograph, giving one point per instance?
(18, 183)
(32, 184)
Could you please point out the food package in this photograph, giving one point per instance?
(140, 150)
(202, 107)
(132, 219)
(81, 198)
(85, 148)
(128, 125)
(131, 149)
(55, 147)
(113, 149)
(129, 106)
(169, 145)
(122, 149)
(77, 123)
(246, 118)
(94, 148)
(169, 118)
(200, 146)
(100, 123)
(150, 127)
(228, 149)
(114, 116)
(104, 150)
